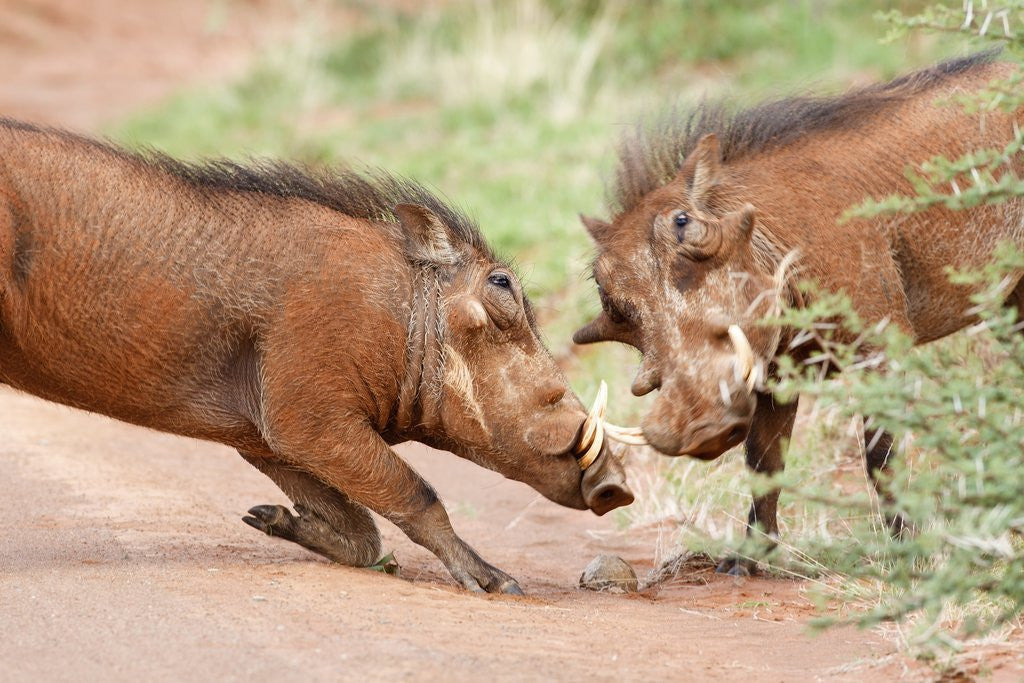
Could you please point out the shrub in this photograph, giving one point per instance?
(955, 408)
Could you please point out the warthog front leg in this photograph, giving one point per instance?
(770, 431)
(877, 451)
(368, 472)
(433, 530)
(328, 523)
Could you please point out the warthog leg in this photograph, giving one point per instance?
(770, 431)
(877, 451)
(328, 523)
(355, 461)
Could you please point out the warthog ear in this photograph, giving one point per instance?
(597, 228)
(427, 235)
(701, 170)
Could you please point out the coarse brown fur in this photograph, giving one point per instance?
(707, 205)
(308, 318)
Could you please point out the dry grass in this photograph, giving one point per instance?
(521, 49)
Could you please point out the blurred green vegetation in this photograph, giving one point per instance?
(512, 109)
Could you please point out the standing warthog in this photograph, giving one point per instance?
(309, 319)
(684, 270)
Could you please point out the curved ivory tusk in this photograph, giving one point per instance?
(747, 368)
(779, 279)
(595, 429)
(633, 436)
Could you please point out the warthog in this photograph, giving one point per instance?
(309, 319)
(685, 268)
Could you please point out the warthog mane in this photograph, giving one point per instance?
(651, 154)
(367, 193)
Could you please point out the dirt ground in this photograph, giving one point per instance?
(122, 551)
(79, 64)
(123, 556)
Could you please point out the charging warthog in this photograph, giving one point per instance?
(685, 268)
(308, 319)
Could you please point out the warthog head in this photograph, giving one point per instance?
(487, 388)
(678, 280)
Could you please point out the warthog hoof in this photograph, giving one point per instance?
(492, 581)
(315, 533)
(736, 566)
(273, 520)
(899, 528)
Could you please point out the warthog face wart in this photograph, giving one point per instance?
(683, 286)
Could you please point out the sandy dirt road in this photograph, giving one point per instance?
(122, 555)
(82, 63)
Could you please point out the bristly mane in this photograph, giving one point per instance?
(652, 154)
(371, 194)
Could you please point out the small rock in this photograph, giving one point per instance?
(609, 573)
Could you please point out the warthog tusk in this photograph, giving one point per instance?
(779, 278)
(595, 429)
(746, 370)
(633, 436)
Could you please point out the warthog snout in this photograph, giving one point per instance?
(604, 483)
(705, 440)
(699, 417)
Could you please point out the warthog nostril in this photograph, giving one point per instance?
(708, 440)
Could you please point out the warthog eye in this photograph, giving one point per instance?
(681, 220)
(500, 280)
